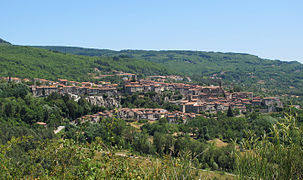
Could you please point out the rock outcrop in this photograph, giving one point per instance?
(109, 102)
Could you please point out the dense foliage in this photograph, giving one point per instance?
(28, 62)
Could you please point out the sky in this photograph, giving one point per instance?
(270, 29)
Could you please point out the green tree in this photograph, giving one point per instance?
(230, 112)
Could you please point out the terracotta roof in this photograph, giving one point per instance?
(46, 87)
(190, 103)
(41, 123)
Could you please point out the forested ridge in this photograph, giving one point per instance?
(252, 72)
(28, 62)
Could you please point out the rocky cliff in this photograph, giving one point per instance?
(109, 102)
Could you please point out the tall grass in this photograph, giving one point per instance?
(278, 155)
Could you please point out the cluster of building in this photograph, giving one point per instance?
(206, 98)
(152, 114)
(238, 100)
(73, 87)
(158, 87)
(196, 98)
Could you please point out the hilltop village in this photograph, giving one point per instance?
(192, 99)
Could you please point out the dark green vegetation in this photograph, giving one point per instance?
(28, 62)
(251, 72)
(78, 50)
(3, 42)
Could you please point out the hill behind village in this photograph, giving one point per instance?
(29, 62)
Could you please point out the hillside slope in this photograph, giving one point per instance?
(32, 62)
(3, 42)
(252, 72)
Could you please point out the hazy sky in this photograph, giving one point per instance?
(268, 28)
